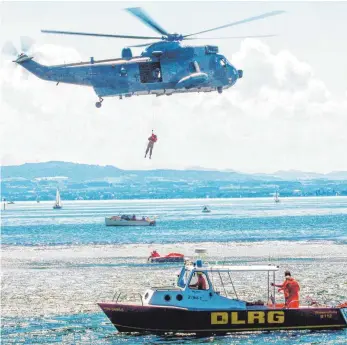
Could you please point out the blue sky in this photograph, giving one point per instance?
(289, 111)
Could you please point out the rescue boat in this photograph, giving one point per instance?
(169, 258)
(126, 220)
(201, 309)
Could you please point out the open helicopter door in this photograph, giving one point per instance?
(150, 72)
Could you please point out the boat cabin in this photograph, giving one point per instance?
(195, 288)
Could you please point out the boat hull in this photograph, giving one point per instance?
(169, 259)
(124, 222)
(159, 319)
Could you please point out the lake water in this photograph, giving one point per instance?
(56, 264)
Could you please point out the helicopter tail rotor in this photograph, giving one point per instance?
(9, 50)
(26, 44)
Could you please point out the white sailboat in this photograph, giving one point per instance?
(57, 204)
(276, 197)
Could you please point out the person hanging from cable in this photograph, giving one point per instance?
(151, 140)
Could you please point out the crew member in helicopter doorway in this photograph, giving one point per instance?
(151, 140)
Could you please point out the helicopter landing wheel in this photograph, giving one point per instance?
(219, 89)
(98, 104)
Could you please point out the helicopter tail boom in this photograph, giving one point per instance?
(52, 73)
(33, 67)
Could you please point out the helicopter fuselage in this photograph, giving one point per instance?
(164, 68)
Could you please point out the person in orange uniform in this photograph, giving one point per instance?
(200, 284)
(290, 288)
(151, 140)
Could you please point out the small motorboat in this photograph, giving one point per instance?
(10, 202)
(126, 220)
(169, 258)
(206, 210)
(196, 305)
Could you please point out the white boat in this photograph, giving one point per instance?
(206, 210)
(276, 197)
(126, 220)
(57, 204)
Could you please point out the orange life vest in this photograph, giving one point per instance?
(291, 292)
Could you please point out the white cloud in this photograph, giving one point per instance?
(279, 116)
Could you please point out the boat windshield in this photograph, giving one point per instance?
(182, 278)
(229, 281)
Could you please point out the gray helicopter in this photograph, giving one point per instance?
(165, 67)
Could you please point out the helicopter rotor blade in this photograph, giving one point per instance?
(227, 38)
(264, 15)
(97, 35)
(146, 19)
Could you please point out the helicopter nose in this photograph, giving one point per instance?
(240, 73)
(233, 75)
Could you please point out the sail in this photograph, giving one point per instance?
(57, 198)
(276, 197)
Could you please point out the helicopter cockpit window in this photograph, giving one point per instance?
(223, 62)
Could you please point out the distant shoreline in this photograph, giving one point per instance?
(204, 200)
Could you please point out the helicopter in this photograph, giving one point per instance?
(165, 67)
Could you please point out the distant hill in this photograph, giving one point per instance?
(73, 171)
(302, 175)
(297, 175)
(93, 182)
(86, 172)
(337, 175)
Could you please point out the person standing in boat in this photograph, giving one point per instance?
(151, 140)
(290, 288)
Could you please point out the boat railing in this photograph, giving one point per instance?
(120, 296)
(165, 288)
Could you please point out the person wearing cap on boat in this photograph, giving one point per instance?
(290, 288)
(201, 283)
(155, 254)
(151, 140)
